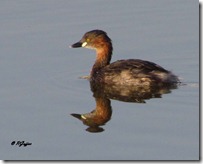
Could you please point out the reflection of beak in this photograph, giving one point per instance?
(77, 116)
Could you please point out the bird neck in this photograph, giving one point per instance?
(103, 57)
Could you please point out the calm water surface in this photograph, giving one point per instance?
(40, 86)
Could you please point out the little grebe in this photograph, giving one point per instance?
(131, 72)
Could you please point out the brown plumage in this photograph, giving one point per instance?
(131, 72)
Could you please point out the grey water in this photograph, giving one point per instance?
(40, 84)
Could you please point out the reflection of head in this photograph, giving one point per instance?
(91, 122)
(98, 117)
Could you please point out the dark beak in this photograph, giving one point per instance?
(76, 116)
(76, 45)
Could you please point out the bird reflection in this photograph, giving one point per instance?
(103, 93)
(99, 116)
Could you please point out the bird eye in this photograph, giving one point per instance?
(87, 39)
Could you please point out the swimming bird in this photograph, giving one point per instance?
(130, 72)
